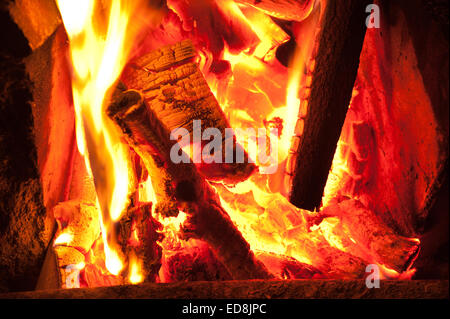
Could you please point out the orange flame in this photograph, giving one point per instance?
(101, 37)
(135, 276)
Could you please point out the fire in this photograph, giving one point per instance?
(257, 90)
(135, 275)
(63, 239)
(101, 37)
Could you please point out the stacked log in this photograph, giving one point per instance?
(174, 88)
(182, 186)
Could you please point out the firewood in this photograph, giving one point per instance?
(295, 10)
(69, 263)
(195, 263)
(366, 228)
(139, 237)
(284, 267)
(68, 256)
(80, 221)
(93, 276)
(78, 229)
(325, 99)
(293, 225)
(166, 57)
(175, 90)
(182, 185)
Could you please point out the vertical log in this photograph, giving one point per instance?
(336, 55)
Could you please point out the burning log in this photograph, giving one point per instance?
(195, 263)
(180, 186)
(78, 229)
(298, 241)
(78, 223)
(326, 97)
(285, 267)
(139, 239)
(394, 251)
(175, 90)
(295, 10)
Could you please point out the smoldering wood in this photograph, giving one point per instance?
(197, 262)
(139, 220)
(329, 261)
(367, 229)
(285, 267)
(165, 57)
(295, 10)
(80, 220)
(176, 91)
(336, 60)
(182, 185)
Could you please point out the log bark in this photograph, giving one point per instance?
(180, 186)
(176, 91)
(326, 98)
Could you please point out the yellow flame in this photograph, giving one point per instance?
(63, 239)
(80, 266)
(100, 40)
(135, 276)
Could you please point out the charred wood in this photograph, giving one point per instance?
(180, 186)
(139, 237)
(336, 61)
(176, 91)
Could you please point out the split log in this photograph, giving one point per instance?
(294, 10)
(368, 230)
(78, 220)
(182, 185)
(78, 229)
(176, 91)
(325, 99)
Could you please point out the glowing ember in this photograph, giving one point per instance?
(255, 91)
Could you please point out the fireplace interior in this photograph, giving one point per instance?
(119, 173)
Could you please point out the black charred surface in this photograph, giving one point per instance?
(338, 49)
